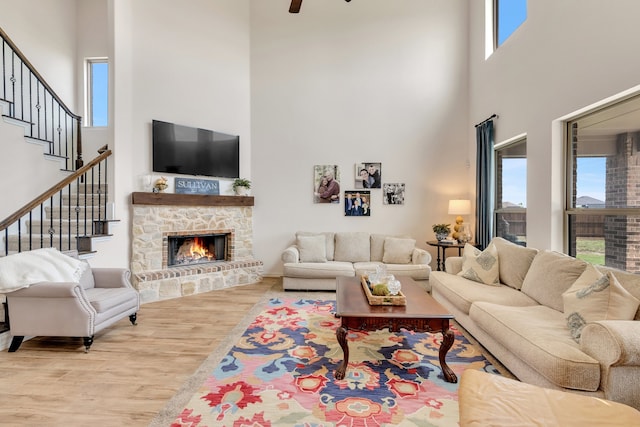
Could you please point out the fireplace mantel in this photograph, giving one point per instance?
(173, 199)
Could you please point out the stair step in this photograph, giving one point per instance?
(5, 107)
(80, 228)
(82, 212)
(83, 199)
(22, 123)
(68, 243)
(77, 227)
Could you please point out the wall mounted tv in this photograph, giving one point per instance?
(191, 151)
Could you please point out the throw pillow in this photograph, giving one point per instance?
(514, 261)
(596, 296)
(377, 247)
(329, 237)
(86, 279)
(397, 250)
(550, 275)
(480, 266)
(312, 248)
(352, 247)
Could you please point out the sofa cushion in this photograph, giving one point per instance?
(329, 240)
(461, 292)
(550, 275)
(514, 261)
(629, 281)
(103, 299)
(352, 246)
(480, 266)
(538, 335)
(86, 278)
(312, 248)
(398, 250)
(596, 296)
(488, 400)
(319, 270)
(377, 247)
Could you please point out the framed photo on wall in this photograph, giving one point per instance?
(357, 203)
(368, 175)
(326, 184)
(393, 194)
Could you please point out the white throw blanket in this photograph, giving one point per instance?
(40, 265)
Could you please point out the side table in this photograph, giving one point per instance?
(442, 247)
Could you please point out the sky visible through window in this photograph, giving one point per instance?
(511, 14)
(590, 179)
(100, 93)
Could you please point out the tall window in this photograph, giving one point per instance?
(603, 186)
(509, 15)
(97, 90)
(510, 212)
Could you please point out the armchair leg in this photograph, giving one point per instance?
(87, 343)
(15, 344)
(133, 318)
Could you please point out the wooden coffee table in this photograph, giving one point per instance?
(421, 314)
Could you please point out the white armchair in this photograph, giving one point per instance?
(72, 308)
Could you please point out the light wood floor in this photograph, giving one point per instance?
(130, 372)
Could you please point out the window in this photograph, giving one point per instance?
(97, 90)
(603, 186)
(510, 213)
(509, 15)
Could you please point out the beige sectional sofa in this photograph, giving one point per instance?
(315, 260)
(552, 320)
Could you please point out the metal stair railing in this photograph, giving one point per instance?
(60, 222)
(32, 101)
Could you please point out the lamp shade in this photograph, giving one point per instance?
(459, 207)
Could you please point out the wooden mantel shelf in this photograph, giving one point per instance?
(173, 199)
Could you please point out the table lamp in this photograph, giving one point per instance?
(459, 208)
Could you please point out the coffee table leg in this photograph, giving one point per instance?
(447, 341)
(341, 334)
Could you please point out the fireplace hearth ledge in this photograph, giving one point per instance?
(179, 281)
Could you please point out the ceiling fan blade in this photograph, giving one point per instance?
(295, 6)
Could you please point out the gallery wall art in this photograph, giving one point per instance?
(368, 175)
(393, 194)
(357, 203)
(326, 184)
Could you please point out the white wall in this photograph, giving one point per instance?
(567, 55)
(343, 83)
(187, 65)
(45, 32)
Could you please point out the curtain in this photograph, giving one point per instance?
(484, 187)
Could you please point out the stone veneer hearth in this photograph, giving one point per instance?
(155, 216)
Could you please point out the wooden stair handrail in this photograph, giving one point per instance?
(79, 162)
(7, 222)
(37, 74)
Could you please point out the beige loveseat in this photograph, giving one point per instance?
(550, 318)
(315, 260)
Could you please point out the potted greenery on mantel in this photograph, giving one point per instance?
(241, 186)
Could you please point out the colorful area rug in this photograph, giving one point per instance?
(280, 373)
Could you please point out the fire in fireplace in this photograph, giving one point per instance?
(196, 249)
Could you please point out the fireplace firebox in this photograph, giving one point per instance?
(196, 249)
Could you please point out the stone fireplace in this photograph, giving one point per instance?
(187, 244)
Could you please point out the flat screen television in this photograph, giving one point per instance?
(192, 151)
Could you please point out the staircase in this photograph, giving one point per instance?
(74, 213)
(76, 221)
